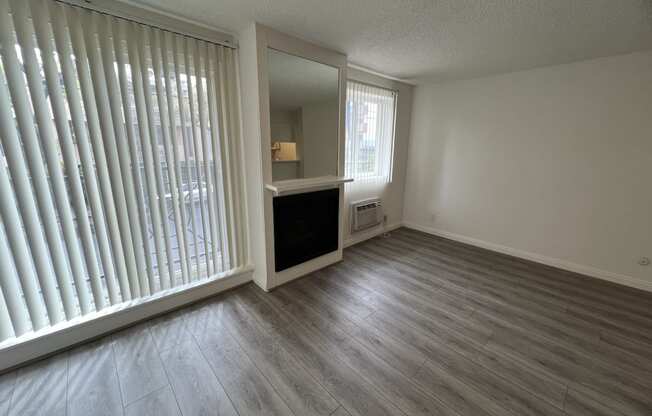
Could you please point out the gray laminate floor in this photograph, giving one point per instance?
(405, 325)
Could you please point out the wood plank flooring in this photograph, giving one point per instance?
(408, 324)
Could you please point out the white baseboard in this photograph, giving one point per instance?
(86, 328)
(538, 258)
(366, 235)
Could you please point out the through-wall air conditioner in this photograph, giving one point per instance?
(366, 214)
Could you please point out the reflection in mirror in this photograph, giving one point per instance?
(304, 117)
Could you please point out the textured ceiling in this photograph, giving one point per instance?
(435, 40)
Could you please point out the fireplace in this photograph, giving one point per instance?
(306, 226)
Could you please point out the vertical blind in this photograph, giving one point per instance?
(370, 119)
(118, 163)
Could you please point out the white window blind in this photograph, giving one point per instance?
(370, 119)
(118, 163)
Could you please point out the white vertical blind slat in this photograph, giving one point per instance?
(351, 145)
(355, 143)
(379, 139)
(186, 150)
(243, 236)
(166, 115)
(235, 156)
(358, 143)
(191, 71)
(174, 109)
(6, 326)
(217, 136)
(153, 135)
(389, 131)
(221, 104)
(200, 74)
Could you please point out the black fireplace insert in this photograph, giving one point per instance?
(305, 226)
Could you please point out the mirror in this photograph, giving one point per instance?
(304, 116)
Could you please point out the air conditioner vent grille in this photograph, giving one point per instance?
(366, 214)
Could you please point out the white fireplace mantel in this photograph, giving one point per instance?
(292, 186)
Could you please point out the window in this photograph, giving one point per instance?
(370, 119)
(117, 174)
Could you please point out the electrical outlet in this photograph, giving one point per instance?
(644, 261)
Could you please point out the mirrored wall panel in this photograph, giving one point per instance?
(304, 116)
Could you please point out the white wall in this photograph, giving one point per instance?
(553, 163)
(253, 85)
(319, 122)
(285, 127)
(391, 193)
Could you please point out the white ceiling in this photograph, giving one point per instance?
(436, 40)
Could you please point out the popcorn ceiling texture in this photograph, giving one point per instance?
(440, 40)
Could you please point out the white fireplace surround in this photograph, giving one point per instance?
(294, 186)
(261, 189)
